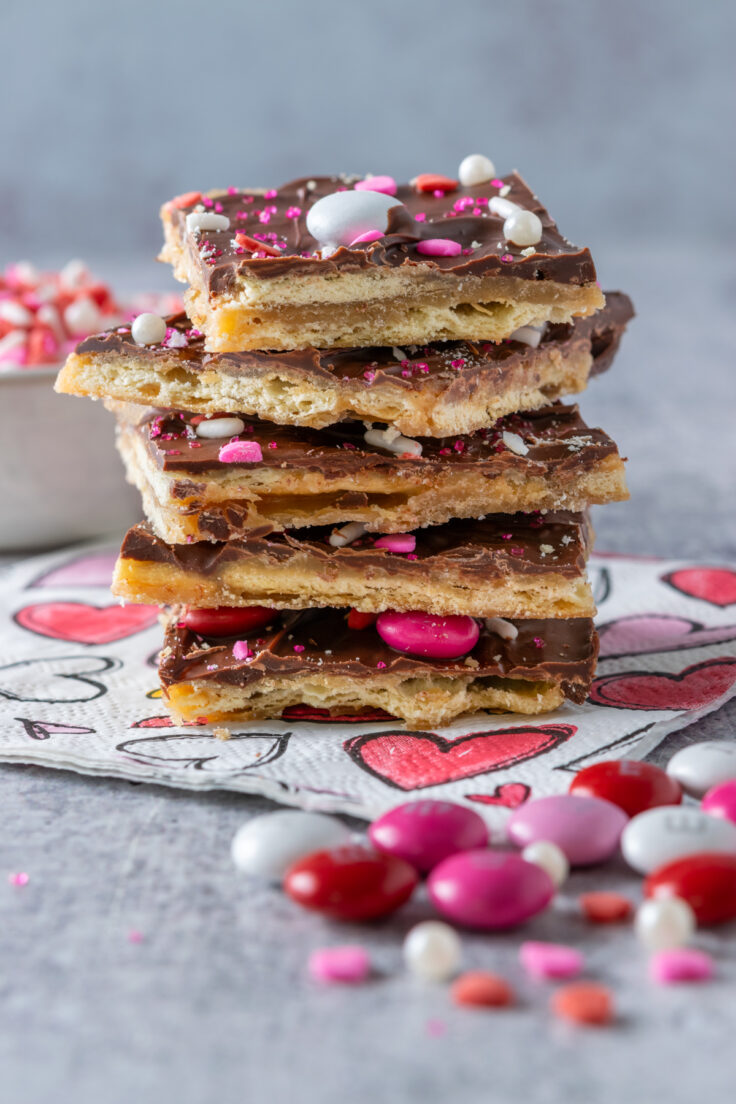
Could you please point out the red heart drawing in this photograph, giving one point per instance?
(692, 688)
(716, 585)
(415, 760)
(84, 624)
(163, 722)
(510, 795)
(324, 716)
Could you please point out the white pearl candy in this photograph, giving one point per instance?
(703, 765)
(523, 228)
(267, 845)
(550, 857)
(663, 924)
(475, 169)
(221, 427)
(433, 951)
(206, 220)
(340, 218)
(148, 329)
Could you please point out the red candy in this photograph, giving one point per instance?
(633, 786)
(433, 182)
(227, 620)
(358, 620)
(707, 881)
(187, 199)
(351, 883)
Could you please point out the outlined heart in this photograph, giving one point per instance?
(201, 751)
(44, 730)
(93, 570)
(654, 632)
(81, 623)
(715, 585)
(693, 688)
(416, 760)
(56, 679)
(509, 796)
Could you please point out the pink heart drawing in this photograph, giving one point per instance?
(510, 795)
(716, 585)
(93, 570)
(85, 624)
(655, 632)
(693, 688)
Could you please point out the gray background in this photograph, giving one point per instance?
(621, 116)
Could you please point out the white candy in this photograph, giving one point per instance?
(49, 316)
(148, 329)
(26, 272)
(268, 845)
(529, 335)
(347, 534)
(15, 313)
(74, 274)
(206, 220)
(661, 835)
(340, 218)
(665, 923)
(16, 339)
(221, 427)
(82, 317)
(701, 766)
(504, 208)
(392, 441)
(433, 951)
(475, 169)
(514, 443)
(523, 228)
(502, 628)
(550, 857)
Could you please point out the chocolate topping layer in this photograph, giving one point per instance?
(498, 546)
(458, 361)
(320, 641)
(278, 219)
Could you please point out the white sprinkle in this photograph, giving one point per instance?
(220, 427)
(530, 249)
(176, 340)
(503, 192)
(529, 335)
(311, 185)
(475, 245)
(148, 329)
(567, 539)
(206, 220)
(546, 549)
(502, 628)
(514, 443)
(392, 440)
(347, 534)
(502, 207)
(399, 354)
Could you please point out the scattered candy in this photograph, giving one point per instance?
(426, 634)
(663, 924)
(424, 833)
(347, 534)
(550, 960)
(504, 208)
(706, 880)
(583, 1002)
(206, 220)
(662, 835)
(550, 857)
(529, 335)
(701, 766)
(148, 329)
(392, 440)
(228, 620)
(339, 218)
(351, 883)
(720, 801)
(240, 452)
(385, 184)
(267, 845)
(585, 828)
(475, 169)
(433, 182)
(433, 951)
(628, 783)
(489, 889)
(523, 228)
(220, 427)
(347, 965)
(358, 620)
(680, 964)
(602, 907)
(397, 542)
(482, 989)
(439, 247)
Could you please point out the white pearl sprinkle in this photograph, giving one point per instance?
(392, 442)
(529, 335)
(514, 443)
(220, 427)
(663, 924)
(502, 628)
(148, 329)
(433, 951)
(504, 208)
(475, 169)
(347, 534)
(206, 220)
(550, 857)
(523, 228)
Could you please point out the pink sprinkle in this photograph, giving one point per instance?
(497, 183)
(135, 936)
(459, 446)
(384, 184)
(240, 452)
(369, 375)
(397, 542)
(232, 191)
(369, 236)
(347, 965)
(241, 650)
(207, 202)
(506, 258)
(538, 642)
(506, 536)
(680, 964)
(298, 647)
(436, 1027)
(412, 556)
(439, 247)
(380, 665)
(293, 212)
(516, 551)
(20, 879)
(550, 960)
(445, 452)
(459, 363)
(420, 217)
(270, 194)
(272, 444)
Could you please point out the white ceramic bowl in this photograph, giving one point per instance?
(61, 478)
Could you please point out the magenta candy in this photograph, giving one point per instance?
(240, 452)
(550, 960)
(680, 964)
(369, 236)
(424, 833)
(489, 889)
(439, 247)
(423, 634)
(384, 184)
(397, 542)
(587, 829)
(720, 800)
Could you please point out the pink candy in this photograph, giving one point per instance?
(397, 542)
(488, 889)
(424, 833)
(240, 452)
(385, 184)
(550, 960)
(349, 965)
(369, 236)
(720, 800)
(423, 634)
(680, 964)
(439, 247)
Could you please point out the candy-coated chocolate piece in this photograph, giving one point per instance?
(628, 783)
(662, 835)
(720, 801)
(348, 965)
(425, 634)
(227, 620)
(706, 880)
(426, 832)
(432, 950)
(266, 846)
(663, 924)
(385, 184)
(603, 907)
(489, 889)
(397, 542)
(439, 247)
(701, 766)
(587, 829)
(583, 1002)
(358, 620)
(339, 218)
(475, 169)
(482, 989)
(351, 883)
(680, 964)
(550, 960)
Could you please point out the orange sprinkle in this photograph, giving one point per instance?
(605, 908)
(482, 988)
(584, 1002)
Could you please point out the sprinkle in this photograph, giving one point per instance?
(272, 444)
(135, 936)
(550, 960)
(502, 628)
(680, 964)
(420, 217)
(506, 258)
(298, 647)
(19, 879)
(241, 650)
(347, 534)
(380, 665)
(412, 556)
(459, 363)
(459, 446)
(538, 642)
(436, 1027)
(439, 247)
(514, 443)
(293, 212)
(270, 194)
(240, 452)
